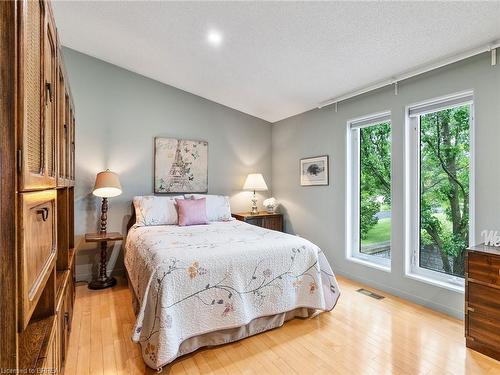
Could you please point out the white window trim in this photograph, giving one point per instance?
(352, 193)
(412, 190)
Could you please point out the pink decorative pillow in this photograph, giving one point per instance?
(192, 211)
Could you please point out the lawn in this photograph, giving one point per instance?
(381, 232)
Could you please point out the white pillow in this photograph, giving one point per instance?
(218, 208)
(153, 210)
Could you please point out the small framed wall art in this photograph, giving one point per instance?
(181, 166)
(314, 171)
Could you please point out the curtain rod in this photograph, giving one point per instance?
(424, 69)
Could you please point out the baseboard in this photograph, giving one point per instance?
(402, 294)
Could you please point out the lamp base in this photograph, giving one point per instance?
(255, 209)
(102, 284)
(104, 215)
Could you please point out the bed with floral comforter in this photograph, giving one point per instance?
(189, 281)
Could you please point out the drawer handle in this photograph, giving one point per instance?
(44, 212)
(471, 309)
(66, 319)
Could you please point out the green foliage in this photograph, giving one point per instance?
(444, 149)
(368, 220)
(375, 160)
(444, 178)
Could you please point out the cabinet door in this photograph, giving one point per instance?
(62, 130)
(36, 137)
(68, 314)
(51, 361)
(38, 248)
(67, 121)
(273, 222)
(73, 282)
(50, 97)
(61, 333)
(72, 147)
(32, 158)
(254, 221)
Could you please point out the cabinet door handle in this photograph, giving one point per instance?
(66, 319)
(44, 212)
(48, 88)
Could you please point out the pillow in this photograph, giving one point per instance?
(218, 208)
(153, 210)
(192, 211)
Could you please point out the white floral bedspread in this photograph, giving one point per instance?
(199, 279)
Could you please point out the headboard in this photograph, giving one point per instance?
(132, 219)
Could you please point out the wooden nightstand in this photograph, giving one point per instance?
(103, 281)
(262, 219)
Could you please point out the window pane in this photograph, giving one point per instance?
(375, 190)
(444, 189)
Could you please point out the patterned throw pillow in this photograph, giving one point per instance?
(218, 207)
(152, 210)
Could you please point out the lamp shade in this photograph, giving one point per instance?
(255, 181)
(107, 184)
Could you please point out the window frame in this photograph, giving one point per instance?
(353, 240)
(412, 188)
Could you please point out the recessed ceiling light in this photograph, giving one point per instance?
(214, 38)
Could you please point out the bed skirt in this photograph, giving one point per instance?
(225, 336)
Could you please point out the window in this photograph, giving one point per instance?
(369, 197)
(438, 189)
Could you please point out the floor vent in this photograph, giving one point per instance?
(370, 294)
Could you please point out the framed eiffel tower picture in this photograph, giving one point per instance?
(181, 166)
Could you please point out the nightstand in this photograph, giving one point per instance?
(103, 281)
(262, 219)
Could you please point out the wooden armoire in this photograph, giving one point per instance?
(37, 167)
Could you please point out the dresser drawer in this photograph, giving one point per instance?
(484, 328)
(37, 248)
(483, 267)
(484, 299)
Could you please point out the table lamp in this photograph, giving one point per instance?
(107, 185)
(255, 182)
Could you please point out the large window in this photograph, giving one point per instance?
(439, 194)
(370, 190)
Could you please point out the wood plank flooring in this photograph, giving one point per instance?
(360, 336)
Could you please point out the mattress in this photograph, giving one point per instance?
(231, 279)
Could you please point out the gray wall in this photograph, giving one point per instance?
(119, 113)
(318, 213)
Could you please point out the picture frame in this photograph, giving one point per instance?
(314, 171)
(180, 166)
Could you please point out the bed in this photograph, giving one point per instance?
(206, 285)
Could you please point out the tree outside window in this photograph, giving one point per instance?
(375, 190)
(444, 189)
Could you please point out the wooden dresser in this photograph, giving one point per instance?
(38, 166)
(262, 219)
(482, 300)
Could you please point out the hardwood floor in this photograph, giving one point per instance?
(360, 336)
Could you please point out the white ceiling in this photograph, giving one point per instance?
(277, 59)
